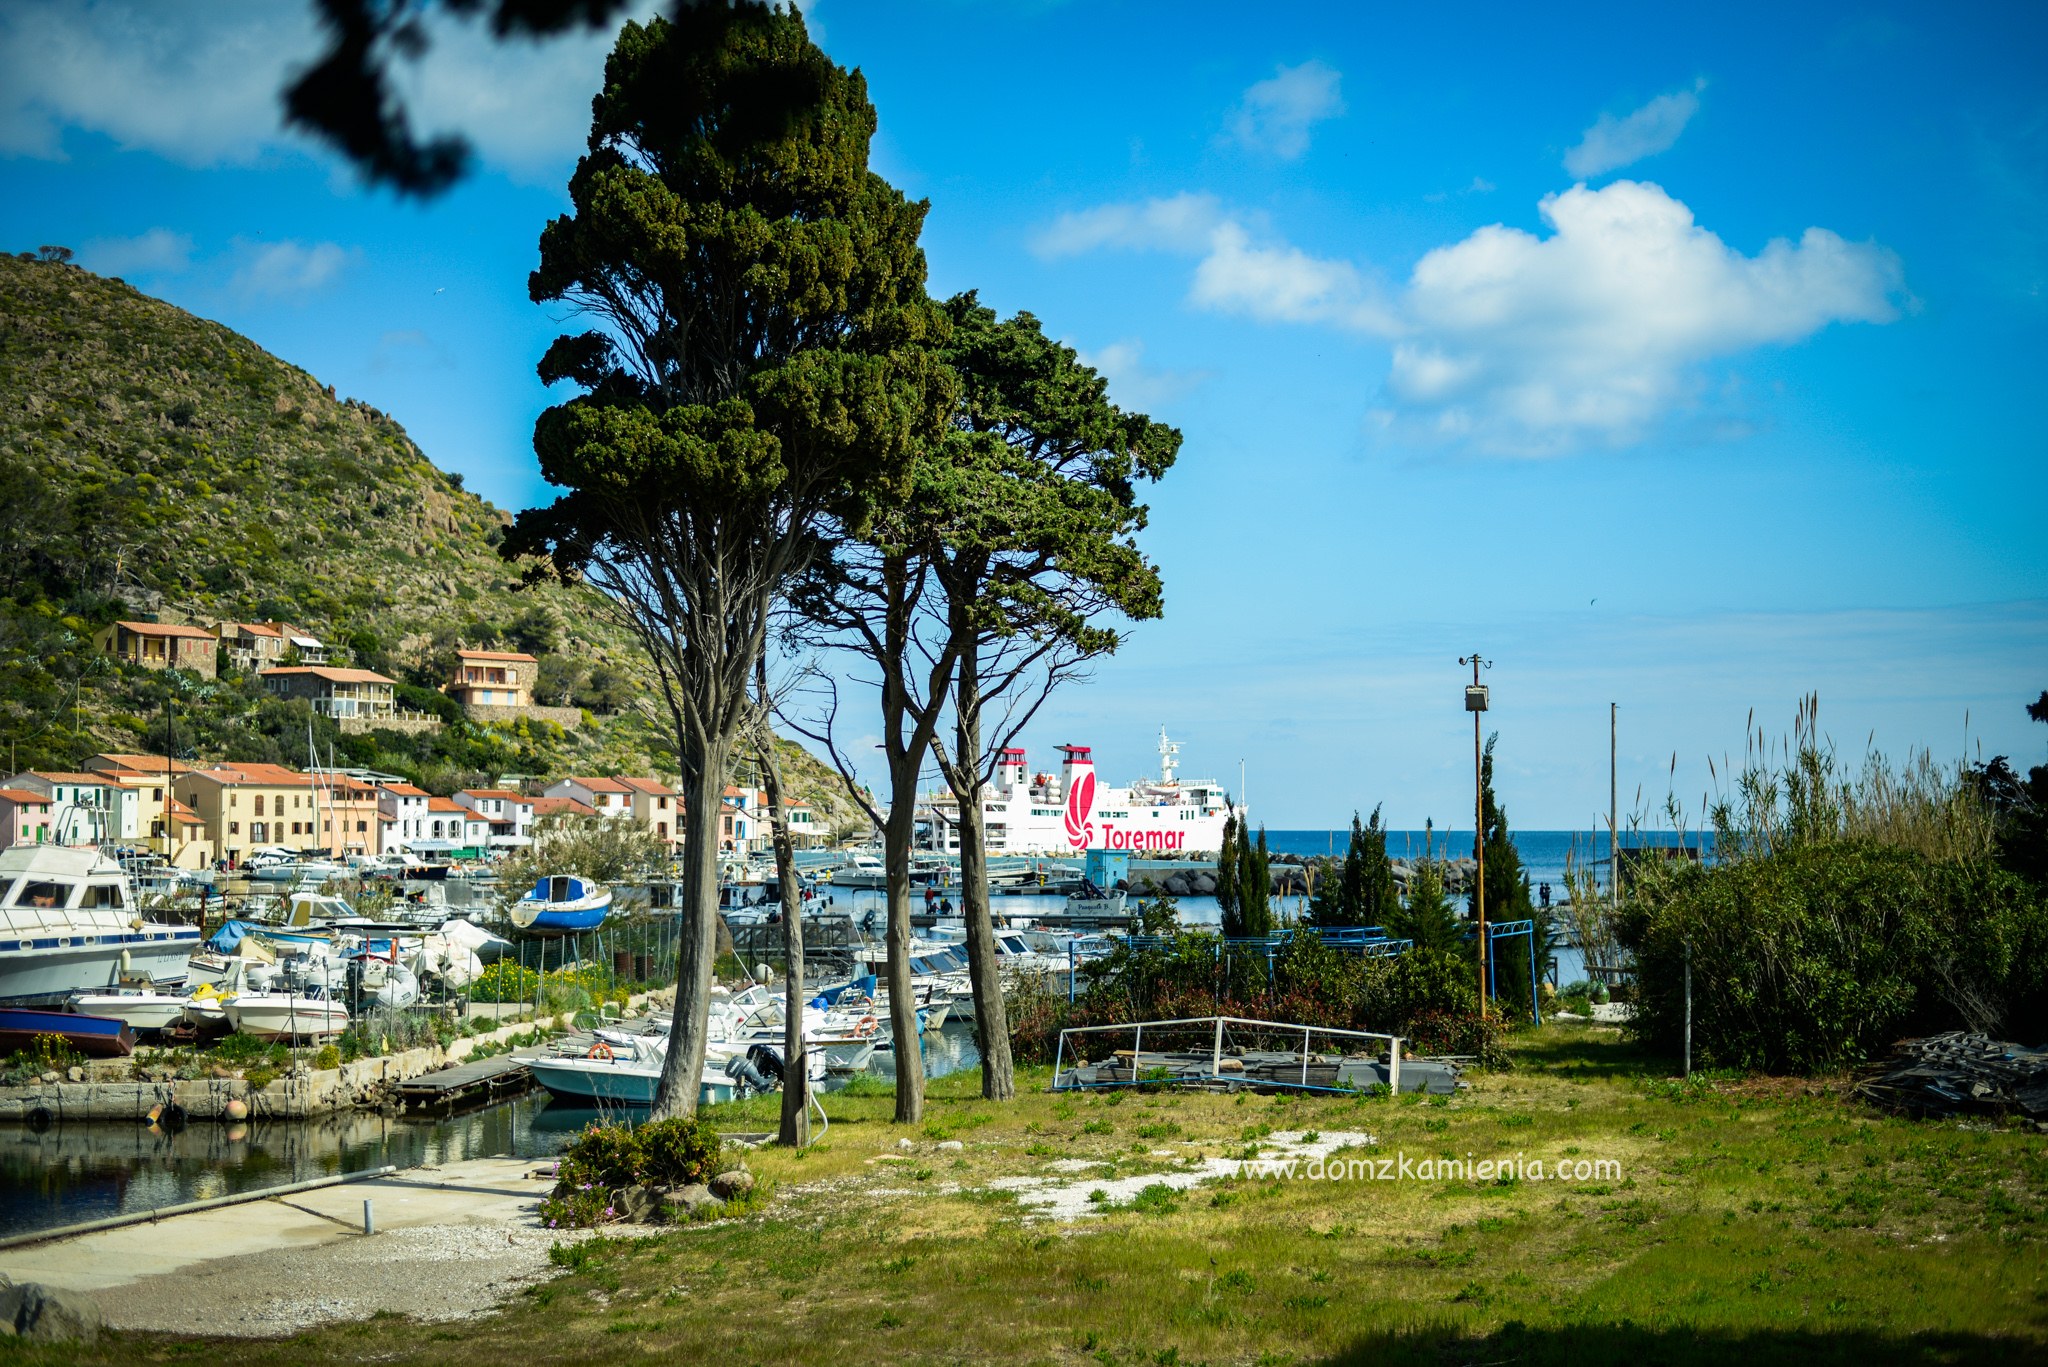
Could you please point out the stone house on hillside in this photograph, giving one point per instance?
(160, 645)
(338, 693)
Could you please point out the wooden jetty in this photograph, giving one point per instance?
(484, 1079)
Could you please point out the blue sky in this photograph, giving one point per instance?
(1690, 364)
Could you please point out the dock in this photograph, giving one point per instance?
(484, 1079)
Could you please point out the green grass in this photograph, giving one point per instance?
(1751, 1220)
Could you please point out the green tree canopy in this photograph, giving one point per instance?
(757, 366)
(1362, 892)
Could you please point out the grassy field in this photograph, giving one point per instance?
(1751, 1220)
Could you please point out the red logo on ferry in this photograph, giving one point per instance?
(1080, 807)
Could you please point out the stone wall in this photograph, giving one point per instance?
(411, 725)
(568, 718)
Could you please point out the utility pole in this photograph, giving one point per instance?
(1613, 824)
(1476, 699)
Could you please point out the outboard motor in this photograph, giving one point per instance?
(768, 1060)
(741, 1069)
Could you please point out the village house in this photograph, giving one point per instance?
(648, 801)
(736, 821)
(83, 807)
(510, 814)
(140, 785)
(188, 845)
(466, 833)
(492, 678)
(335, 692)
(159, 645)
(247, 807)
(656, 806)
(604, 796)
(563, 807)
(24, 818)
(805, 830)
(404, 810)
(252, 645)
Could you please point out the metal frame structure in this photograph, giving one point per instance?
(1393, 1043)
(1366, 941)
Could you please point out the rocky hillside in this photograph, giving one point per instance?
(159, 464)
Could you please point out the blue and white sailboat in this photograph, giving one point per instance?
(562, 904)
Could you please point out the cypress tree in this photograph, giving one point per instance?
(1227, 900)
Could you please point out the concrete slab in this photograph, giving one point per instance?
(494, 1192)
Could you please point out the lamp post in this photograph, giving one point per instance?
(1476, 699)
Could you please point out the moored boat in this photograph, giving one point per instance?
(93, 1036)
(69, 921)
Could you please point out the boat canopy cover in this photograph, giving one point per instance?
(831, 995)
(230, 934)
(559, 888)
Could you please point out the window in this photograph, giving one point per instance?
(259, 804)
(234, 828)
(362, 825)
(42, 894)
(106, 895)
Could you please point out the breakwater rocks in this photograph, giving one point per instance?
(1289, 875)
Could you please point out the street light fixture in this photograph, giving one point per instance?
(1477, 696)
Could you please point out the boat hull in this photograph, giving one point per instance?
(140, 1012)
(45, 969)
(622, 1084)
(276, 1017)
(93, 1036)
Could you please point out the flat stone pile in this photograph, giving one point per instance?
(1961, 1073)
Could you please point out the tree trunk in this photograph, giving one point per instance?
(697, 947)
(796, 1076)
(909, 1047)
(991, 1018)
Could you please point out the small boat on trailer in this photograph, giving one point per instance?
(93, 1036)
(562, 904)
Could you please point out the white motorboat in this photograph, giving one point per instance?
(142, 1008)
(308, 1015)
(69, 921)
(623, 1070)
(861, 871)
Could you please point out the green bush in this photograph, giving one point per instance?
(607, 1159)
(1822, 954)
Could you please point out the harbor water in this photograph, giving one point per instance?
(71, 1173)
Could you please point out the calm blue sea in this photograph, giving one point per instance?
(1544, 853)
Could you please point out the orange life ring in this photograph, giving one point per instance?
(867, 1026)
(599, 1050)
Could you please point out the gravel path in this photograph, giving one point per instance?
(430, 1272)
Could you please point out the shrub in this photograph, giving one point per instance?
(607, 1159)
(1819, 955)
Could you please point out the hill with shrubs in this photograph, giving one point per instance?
(158, 465)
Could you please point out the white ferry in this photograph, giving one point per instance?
(1067, 813)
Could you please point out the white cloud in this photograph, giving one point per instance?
(1276, 114)
(156, 252)
(1182, 223)
(1517, 343)
(1135, 385)
(280, 270)
(1612, 143)
(196, 84)
(1530, 344)
(1239, 270)
(201, 84)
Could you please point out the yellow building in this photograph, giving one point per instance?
(248, 807)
